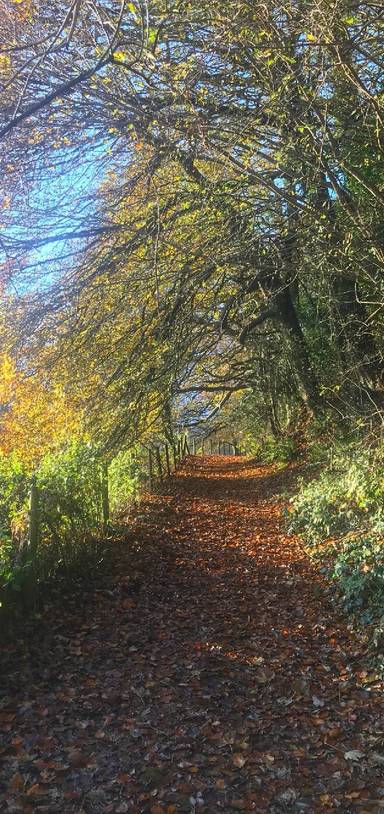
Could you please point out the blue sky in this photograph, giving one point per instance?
(63, 201)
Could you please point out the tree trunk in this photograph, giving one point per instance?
(297, 348)
(355, 341)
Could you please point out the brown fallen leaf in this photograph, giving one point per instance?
(16, 783)
(35, 790)
(77, 759)
(238, 804)
(239, 760)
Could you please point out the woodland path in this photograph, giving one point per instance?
(216, 677)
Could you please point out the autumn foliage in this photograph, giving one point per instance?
(35, 418)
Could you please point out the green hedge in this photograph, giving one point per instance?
(340, 517)
(70, 516)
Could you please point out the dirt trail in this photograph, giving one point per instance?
(218, 677)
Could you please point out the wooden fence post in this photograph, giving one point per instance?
(34, 519)
(174, 456)
(158, 461)
(167, 460)
(179, 451)
(104, 493)
(30, 552)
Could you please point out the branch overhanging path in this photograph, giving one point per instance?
(211, 672)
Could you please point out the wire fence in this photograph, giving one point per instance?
(152, 465)
(52, 522)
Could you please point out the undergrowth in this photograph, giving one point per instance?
(272, 449)
(278, 450)
(339, 515)
(71, 532)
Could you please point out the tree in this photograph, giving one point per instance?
(34, 418)
(239, 215)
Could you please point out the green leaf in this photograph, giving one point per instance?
(152, 36)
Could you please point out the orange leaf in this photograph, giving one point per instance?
(239, 760)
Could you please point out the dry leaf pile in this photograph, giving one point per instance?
(210, 673)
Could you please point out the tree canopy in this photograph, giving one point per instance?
(229, 246)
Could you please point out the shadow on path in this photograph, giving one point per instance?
(217, 678)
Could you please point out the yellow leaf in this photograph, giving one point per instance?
(5, 62)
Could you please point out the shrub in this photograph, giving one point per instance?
(279, 450)
(69, 486)
(127, 476)
(13, 526)
(340, 517)
(69, 519)
(359, 569)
